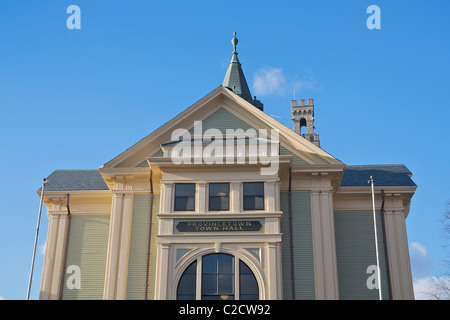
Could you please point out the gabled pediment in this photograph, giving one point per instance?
(222, 109)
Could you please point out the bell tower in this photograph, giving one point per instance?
(303, 116)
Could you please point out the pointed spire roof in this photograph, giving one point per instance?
(235, 79)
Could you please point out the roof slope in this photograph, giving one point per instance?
(69, 180)
(242, 109)
(356, 175)
(383, 175)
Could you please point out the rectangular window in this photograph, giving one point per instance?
(253, 195)
(184, 197)
(219, 196)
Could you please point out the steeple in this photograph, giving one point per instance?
(235, 79)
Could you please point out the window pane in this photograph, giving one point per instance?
(218, 203)
(190, 204)
(248, 284)
(210, 263)
(184, 189)
(249, 203)
(187, 284)
(219, 196)
(258, 188)
(192, 269)
(219, 189)
(259, 203)
(184, 204)
(214, 203)
(253, 188)
(214, 189)
(225, 284)
(209, 284)
(244, 269)
(253, 196)
(225, 263)
(248, 188)
(180, 190)
(224, 203)
(224, 189)
(180, 204)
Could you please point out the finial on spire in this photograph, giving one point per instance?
(234, 41)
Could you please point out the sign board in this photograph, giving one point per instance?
(218, 225)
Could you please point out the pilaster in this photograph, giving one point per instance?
(274, 282)
(53, 272)
(119, 241)
(398, 253)
(324, 245)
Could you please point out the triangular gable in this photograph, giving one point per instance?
(222, 109)
(222, 119)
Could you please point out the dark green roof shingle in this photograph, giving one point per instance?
(68, 180)
(383, 175)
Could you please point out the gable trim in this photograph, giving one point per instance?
(222, 97)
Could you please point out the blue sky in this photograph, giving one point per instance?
(381, 96)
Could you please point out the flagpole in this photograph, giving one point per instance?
(36, 238)
(376, 239)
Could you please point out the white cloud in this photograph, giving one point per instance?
(421, 265)
(419, 249)
(272, 81)
(268, 81)
(430, 288)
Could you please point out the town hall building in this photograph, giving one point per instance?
(223, 202)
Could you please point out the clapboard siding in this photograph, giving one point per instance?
(296, 160)
(222, 120)
(355, 251)
(137, 263)
(303, 248)
(87, 249)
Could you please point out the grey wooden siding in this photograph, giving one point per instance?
(303, 248)
(296, 160)
(222, 119)
(355, 251)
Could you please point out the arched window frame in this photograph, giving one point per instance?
(237, 278)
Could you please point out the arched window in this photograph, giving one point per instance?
(247, 283)
(219, 280)
(218, 277)
(186, 286)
